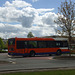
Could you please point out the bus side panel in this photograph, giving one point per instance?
(65, 50)
(22, 51)
(48, 50)
(44, 50)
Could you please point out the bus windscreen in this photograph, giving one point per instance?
(11, 42)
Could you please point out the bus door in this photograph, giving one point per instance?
(25, 47)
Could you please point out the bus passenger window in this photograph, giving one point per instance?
(42, 44)
(21, 44)
(59, 44)
(32, 44)
(50, 44)
(65, 44)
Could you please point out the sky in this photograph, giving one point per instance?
(19, 17)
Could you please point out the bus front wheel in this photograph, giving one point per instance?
(32, 54)
(58, 52)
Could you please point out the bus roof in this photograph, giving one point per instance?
(62, 39)
(34, 39)
(40, 39)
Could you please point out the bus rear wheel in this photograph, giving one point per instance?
(58, 52)
(32, 54)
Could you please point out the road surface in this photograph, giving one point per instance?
(38, 62)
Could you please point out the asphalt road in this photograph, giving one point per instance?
(38, 62)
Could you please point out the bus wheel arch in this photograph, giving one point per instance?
(58, 52)
(32, 53)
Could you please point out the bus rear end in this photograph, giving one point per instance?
(11, 46)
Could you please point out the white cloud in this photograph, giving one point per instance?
(35, 0)
(48, 18)
(18, 17)
(44, 10)
(17, 3)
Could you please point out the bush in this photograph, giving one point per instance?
(72, 51)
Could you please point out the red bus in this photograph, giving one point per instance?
(37, 46)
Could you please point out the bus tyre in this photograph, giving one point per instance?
(58, 52)
(24, 56)
(50, 54)
(32, 54)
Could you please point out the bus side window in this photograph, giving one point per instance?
(21, 44)
(25, 44)
(65, 44)
(58, 44)
(32, 44)
(42, 44)
(50, 44)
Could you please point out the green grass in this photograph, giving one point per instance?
(55, 72)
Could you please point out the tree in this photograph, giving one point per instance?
(66, 19)
(1, 44)
(6, 45)
(30, 35)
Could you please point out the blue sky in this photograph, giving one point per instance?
(41, 3)
(19, 17)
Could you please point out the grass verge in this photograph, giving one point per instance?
(53, 72)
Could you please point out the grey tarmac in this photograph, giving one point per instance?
(34, 63)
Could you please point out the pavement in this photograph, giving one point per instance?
(13, 64)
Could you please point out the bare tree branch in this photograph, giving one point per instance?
(66, 18)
